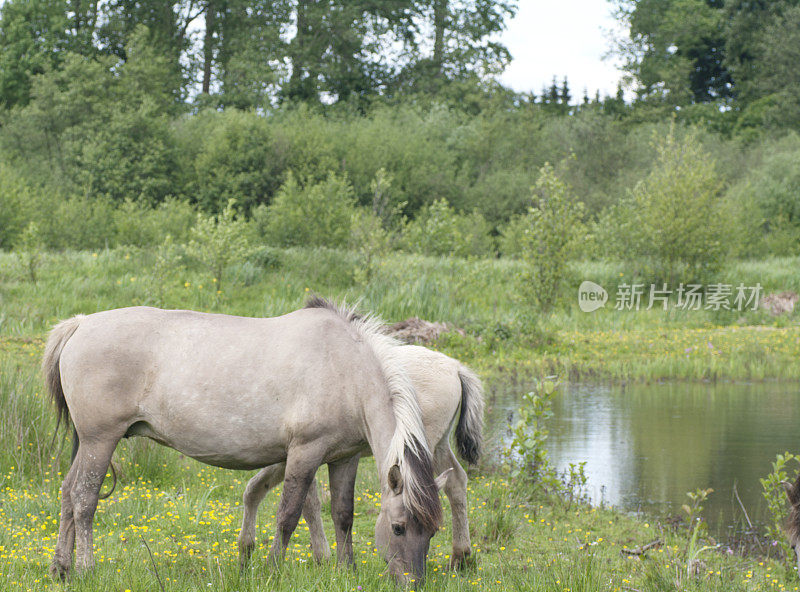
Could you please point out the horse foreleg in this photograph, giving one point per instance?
(312, 512)
(301, 466)
(343, 480)
(456, 490)
(91, 466)
(254, 494)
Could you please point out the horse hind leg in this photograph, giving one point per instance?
(312, 512)
(62, 558)
(91, 465)
(254, 494)
(456, 490)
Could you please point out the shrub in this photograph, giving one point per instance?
(236, 160)
(765, 204)
(139, 225)
(370, 240)
(79, 222)
(14, 196)
(526, 451)
(218, 241)
(132, 156)
(165, 267)
(773, 490)
(29, 250)
(548, 235)
(439, 230)
(317, 214)
(674, 219)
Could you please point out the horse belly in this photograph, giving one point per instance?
(215, 443)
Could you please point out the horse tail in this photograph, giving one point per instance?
(469, 430)
(51, 367)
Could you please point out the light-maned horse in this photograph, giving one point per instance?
(315, 386)
(443, 386)
(793, 522)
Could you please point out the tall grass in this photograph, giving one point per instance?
(482, 296)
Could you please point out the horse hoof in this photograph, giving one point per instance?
(59, 571)
(461, 560)
(320, 558)
(244, 559)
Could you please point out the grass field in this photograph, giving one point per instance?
(187, 514)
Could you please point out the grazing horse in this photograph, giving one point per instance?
(793, 523)
(318, 385)
(443, 386)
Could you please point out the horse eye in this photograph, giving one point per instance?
(399, 530)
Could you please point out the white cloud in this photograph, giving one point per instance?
(561, 38)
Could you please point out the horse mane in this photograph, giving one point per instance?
(408, 447)
(793, 520)
(793, 524)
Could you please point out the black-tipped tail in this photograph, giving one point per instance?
(469, 430)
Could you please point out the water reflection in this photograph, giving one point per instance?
(645, 446)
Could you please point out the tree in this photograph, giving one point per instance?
(99, 125)
(251, 51)
(167, 25)
(32, 41)
(464, 43)
(767, 75)
(748, 37)
(675, 49)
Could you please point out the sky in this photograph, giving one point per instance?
(561, 38)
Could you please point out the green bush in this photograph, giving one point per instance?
(29, 250)
(370, 240)
(314, 214)
(439, 230)
(674, 220)
(219, 241)
(15, 196)
(237, 159)
(140, 225)
(132, 156)
(78, 222)
(765, 204)
(548, 236)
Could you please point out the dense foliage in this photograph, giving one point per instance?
(379, 126)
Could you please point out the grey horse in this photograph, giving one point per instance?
(316, 386)
(443, 386)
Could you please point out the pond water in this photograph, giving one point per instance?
(645, 446)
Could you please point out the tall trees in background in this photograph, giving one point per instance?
(675, 50)
(251, 53)
(740, 53)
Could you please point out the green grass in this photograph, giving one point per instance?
(188, 514)
(502, 332)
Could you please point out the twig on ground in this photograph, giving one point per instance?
(643, 549)
(153, 561)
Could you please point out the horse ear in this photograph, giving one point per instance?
(396, 480)
(791, 492)
(442, 479)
